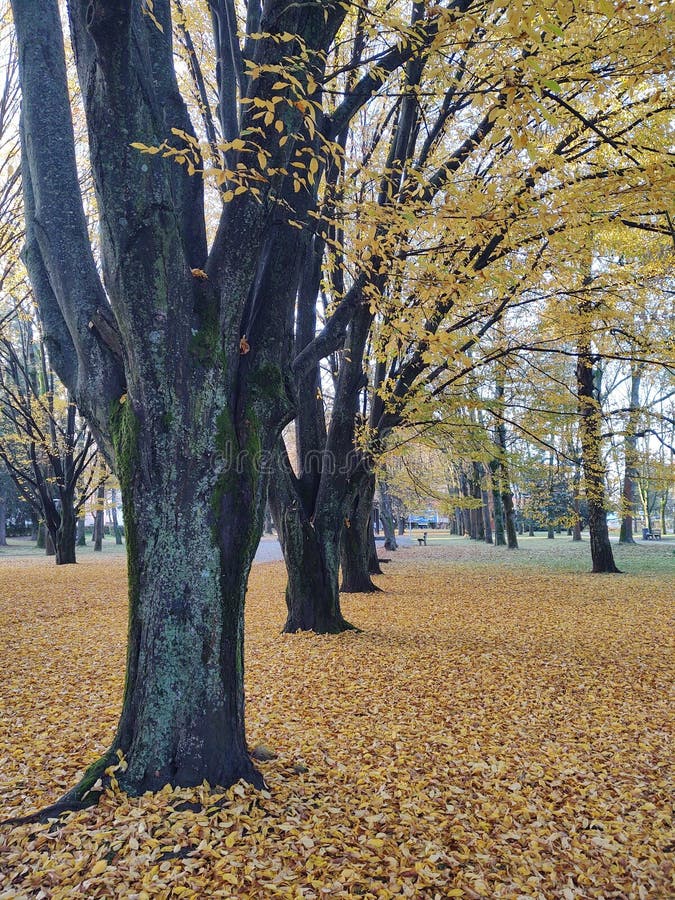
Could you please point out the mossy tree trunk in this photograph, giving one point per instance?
(113, 511)
(190, 543)
(180, 364)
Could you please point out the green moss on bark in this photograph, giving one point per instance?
(124, 428)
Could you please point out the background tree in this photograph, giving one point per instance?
(44, 444)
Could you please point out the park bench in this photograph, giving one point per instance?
(653, 535)
(422, 540)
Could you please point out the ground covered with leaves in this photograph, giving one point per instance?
(489, 733)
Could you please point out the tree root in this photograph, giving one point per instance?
(82, 796)
(88, 791)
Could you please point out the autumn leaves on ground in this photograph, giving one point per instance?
(490, 732)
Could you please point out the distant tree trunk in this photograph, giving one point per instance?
(465, 492)
(500, 535)
(487, 524)
(593, 468)
(401, 525)
(550, 533)
(41, 536)
(269, 524)
(476, 513)
(81, 540)
(510, 517)
(663, 503)
(630, 457)
(387, 515)
(50, 548)
(355, 540)
(98, 519)
(576, 487)
(65, 536)
(576, 527)
(3, 521)
(374, 567)
(506, 494)
(312, 564)
(117, 531)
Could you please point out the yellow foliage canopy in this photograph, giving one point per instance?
(482, 737)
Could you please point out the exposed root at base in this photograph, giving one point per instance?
(92, 786)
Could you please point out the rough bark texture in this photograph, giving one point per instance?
(184, 380)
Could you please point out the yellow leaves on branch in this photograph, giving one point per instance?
(491, 733)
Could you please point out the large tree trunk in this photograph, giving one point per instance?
(181, 364)
(191, 536)
(312, 558)
(3, 521)
(593, 468)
